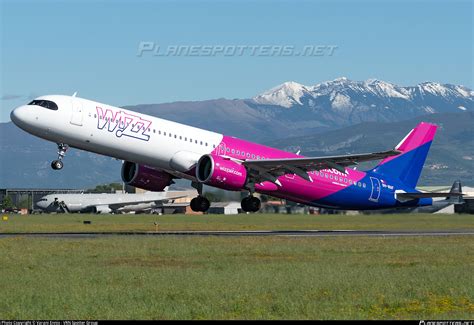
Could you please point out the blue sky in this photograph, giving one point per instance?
(59, 47)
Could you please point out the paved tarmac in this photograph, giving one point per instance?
(284, 233)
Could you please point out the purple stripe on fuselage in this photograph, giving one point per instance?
(325, 182)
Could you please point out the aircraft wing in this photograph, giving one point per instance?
(270, 169)
(118, 205)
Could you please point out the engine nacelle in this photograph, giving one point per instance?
(220, 172)
(145, 177)
(102, 209)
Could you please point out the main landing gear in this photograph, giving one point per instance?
(199, 203)
(58, 164)
(251, 204)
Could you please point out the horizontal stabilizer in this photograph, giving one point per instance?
(418, 195)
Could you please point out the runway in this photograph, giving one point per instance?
(282, 233)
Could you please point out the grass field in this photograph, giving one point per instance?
(74, 222)
(128, 277)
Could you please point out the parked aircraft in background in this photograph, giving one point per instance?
(155, 151)
(108, 203)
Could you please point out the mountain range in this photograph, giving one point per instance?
(292, 109)
(338, 116)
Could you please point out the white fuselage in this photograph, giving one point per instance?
(99, 128)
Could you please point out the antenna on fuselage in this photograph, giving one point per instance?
(75, 93)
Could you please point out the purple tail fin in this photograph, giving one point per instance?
(407, 166)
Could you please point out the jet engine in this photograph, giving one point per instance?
(145, 177)
(101, 209)
(221, 172)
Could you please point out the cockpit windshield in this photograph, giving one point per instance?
(45, 103)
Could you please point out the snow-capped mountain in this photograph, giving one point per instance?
(286, 94)
(344, 98)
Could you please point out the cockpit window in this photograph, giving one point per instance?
(45, 103)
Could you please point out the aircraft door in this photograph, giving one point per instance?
(221, 149)
(76, 117)
(375, 194)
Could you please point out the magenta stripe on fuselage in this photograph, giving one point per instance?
(293, 187)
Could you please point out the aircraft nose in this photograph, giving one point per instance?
(19, 115)
(40, 204)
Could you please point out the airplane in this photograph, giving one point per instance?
(107, 202)
(155, 151)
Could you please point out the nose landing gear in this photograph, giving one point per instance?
(58, 164)
(251, 204)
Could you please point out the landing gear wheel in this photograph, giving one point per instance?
(250, 204)
(200, 204)
(57, 164)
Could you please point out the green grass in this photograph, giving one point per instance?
(74, 222)
(131, 277)
(237, 278)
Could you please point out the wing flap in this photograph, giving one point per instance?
(318, 163)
